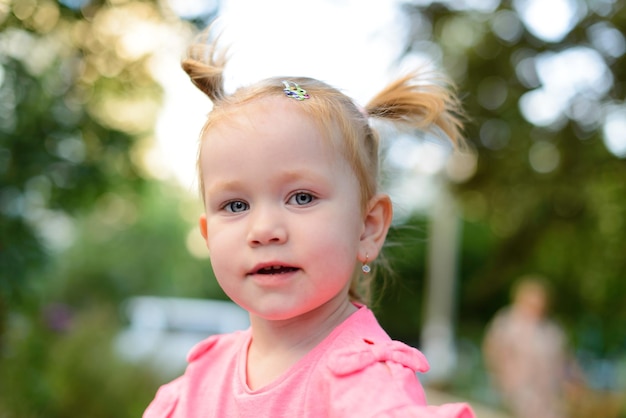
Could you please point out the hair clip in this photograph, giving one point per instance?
(294, 90)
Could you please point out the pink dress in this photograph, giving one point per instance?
(357, 371)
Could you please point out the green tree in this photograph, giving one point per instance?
(82, 225)
(76, 101)
(547, 194)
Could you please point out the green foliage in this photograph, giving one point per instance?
(61, 148)
(59, 342)
(81, 227)
(566, 223)
(71, 370)
(399, 308)
(134, 247)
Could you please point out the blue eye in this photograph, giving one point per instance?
(301, 198)
(236, 206)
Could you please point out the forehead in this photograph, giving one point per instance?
(276, 107)
(276, 122)
(277, 114)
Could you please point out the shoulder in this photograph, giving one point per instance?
(212, 353)
(362, 342)
(215, 344)
(378, 378)
(501, 317)
(502, 324)
(165, 400)
(363, 353)
(363, 371)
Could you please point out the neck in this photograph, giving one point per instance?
(277, 345)
(302, 333)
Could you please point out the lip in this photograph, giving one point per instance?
(273, 272)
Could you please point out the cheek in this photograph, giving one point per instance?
(222, 247)
(219, 233)
(337, 240)
(224, 268)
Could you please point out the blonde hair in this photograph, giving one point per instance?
(420, 101)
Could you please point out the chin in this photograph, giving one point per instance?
(279, 312)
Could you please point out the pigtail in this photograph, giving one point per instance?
(205, 64)
(421, 103)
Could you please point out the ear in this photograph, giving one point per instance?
(375, 226)
(203, 227)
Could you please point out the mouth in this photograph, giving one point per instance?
(274, 270)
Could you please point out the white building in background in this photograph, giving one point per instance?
(161, 331)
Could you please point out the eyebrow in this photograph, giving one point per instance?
(301, 174)
(224, 185)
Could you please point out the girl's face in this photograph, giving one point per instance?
(283, 221)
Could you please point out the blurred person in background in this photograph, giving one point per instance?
(525, 353)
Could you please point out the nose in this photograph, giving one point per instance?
(267, 227)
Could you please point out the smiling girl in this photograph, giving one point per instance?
(293, 216)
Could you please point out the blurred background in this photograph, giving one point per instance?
(104, 280)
